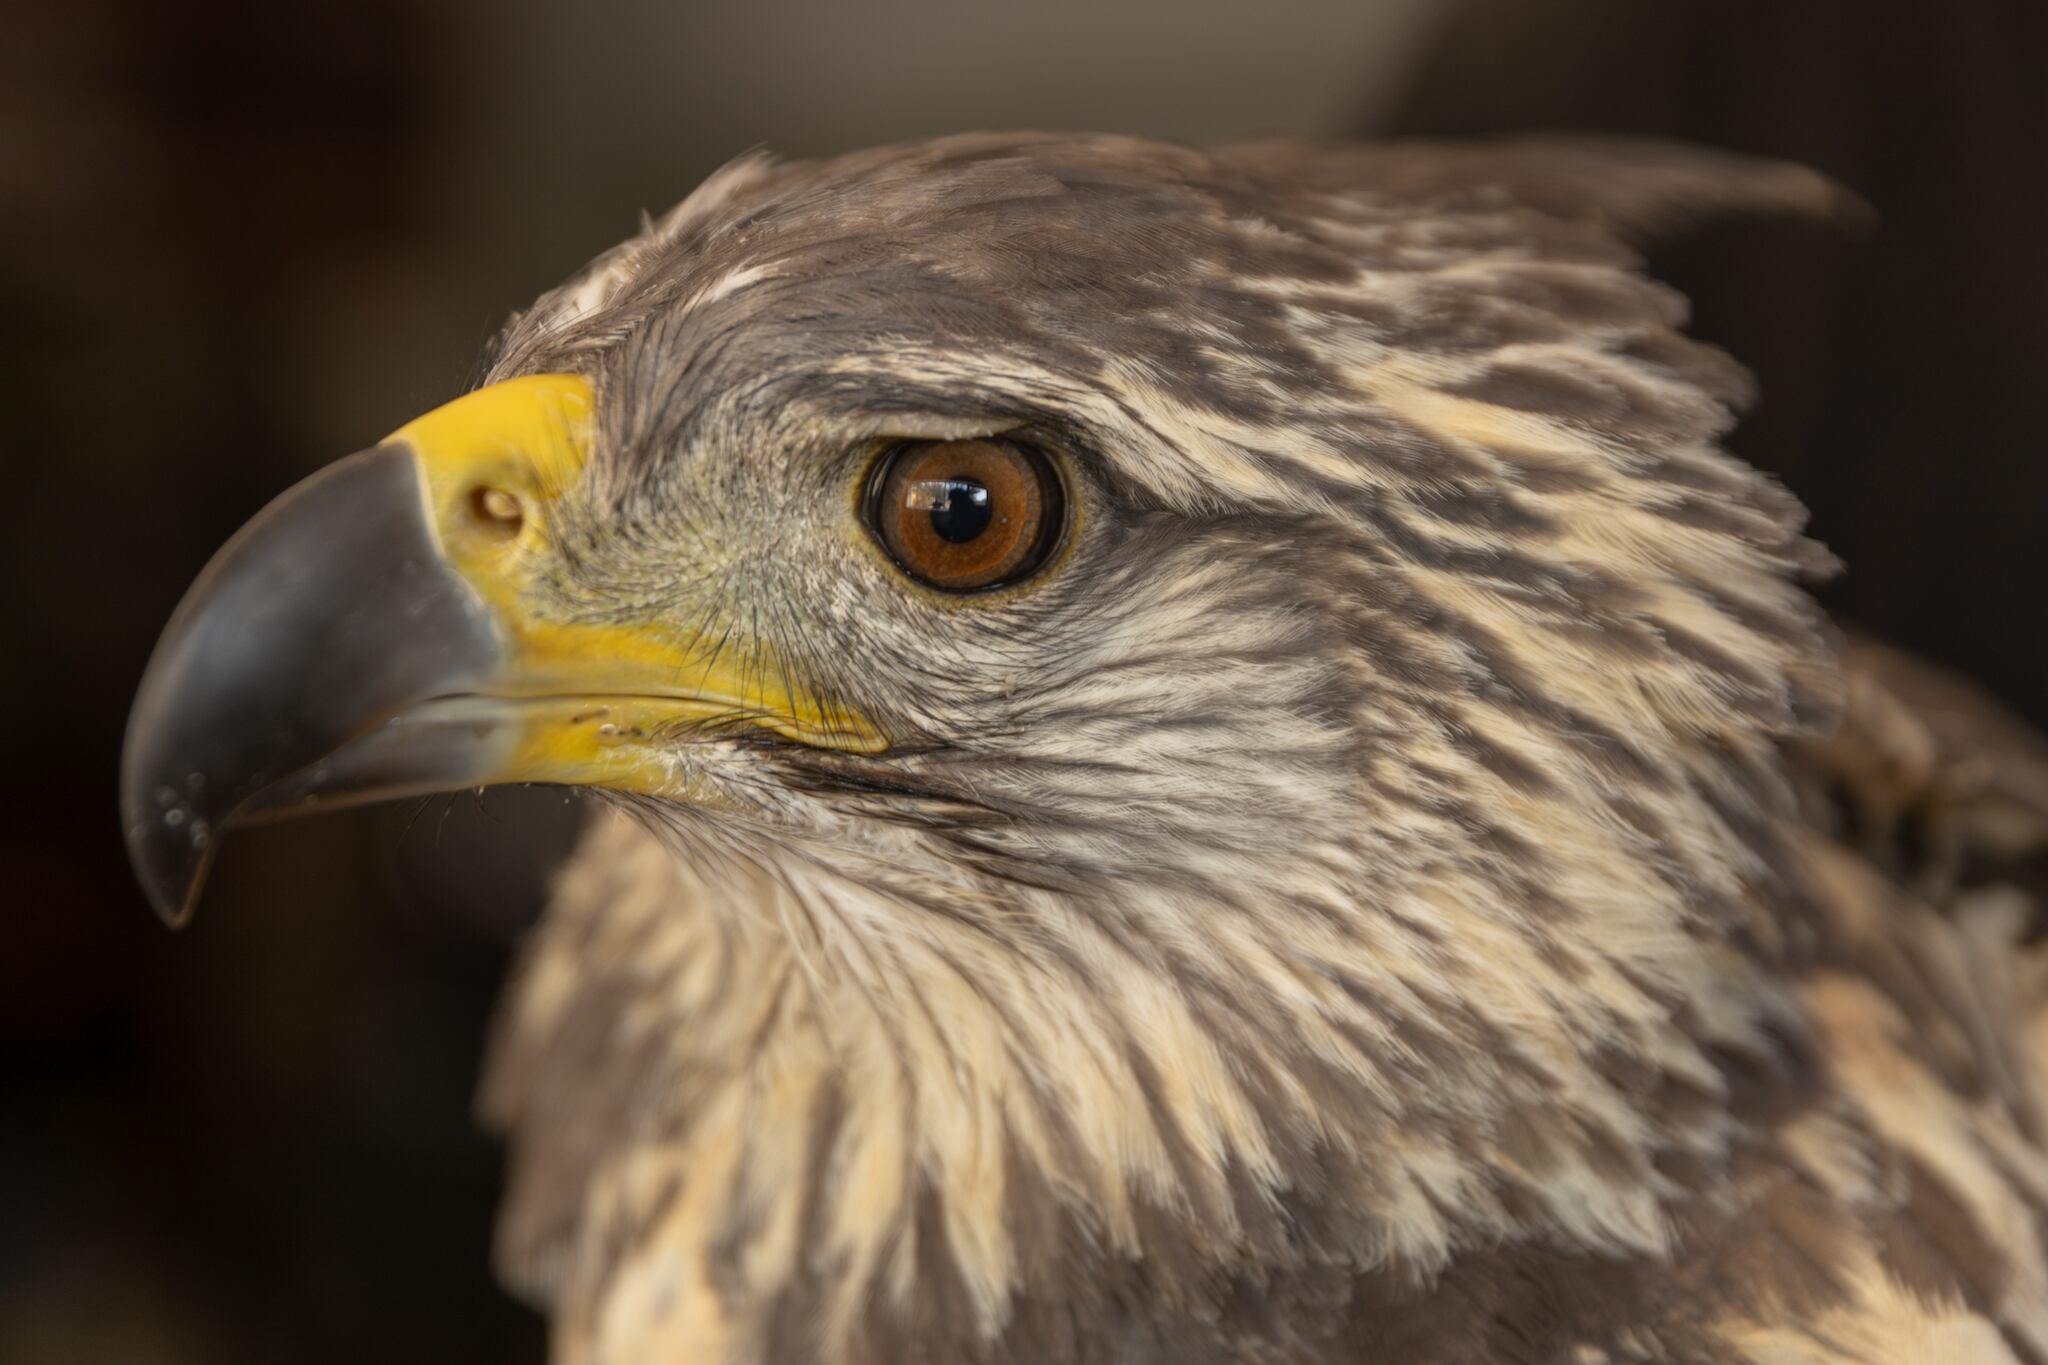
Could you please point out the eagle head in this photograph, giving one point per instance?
(1185, 729)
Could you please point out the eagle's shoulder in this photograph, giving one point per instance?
(1925, 1158)
(1934, 783)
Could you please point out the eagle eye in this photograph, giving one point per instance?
(965, 515)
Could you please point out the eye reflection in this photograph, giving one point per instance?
(961, 509)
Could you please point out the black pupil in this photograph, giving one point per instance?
(962, 510)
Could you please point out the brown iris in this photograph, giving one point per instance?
(962, 515)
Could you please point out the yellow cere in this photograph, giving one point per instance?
(595, 694)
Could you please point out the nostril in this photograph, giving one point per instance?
(498, 512)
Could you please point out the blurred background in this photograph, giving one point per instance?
(239, 239)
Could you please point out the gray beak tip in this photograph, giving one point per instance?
(171, 849)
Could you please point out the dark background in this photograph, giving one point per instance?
(238, 239)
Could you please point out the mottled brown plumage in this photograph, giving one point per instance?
(1412, 881)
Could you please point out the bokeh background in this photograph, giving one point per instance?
(240, 238)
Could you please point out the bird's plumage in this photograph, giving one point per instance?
(1397, 887)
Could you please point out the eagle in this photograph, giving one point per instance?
(1202, 757)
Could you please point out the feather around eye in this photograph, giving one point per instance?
(966, 515)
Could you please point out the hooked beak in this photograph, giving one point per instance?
(377, 632)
